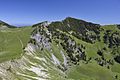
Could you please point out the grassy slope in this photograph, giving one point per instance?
(93, 71)
(90, 71)
(12, 41)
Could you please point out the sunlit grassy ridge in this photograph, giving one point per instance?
(12, 42)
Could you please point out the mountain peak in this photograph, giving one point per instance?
(4, 25)
(1, 21)
(44, 23)
(72, 19)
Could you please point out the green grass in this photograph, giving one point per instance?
(116, 68)
(12, 42)
(91, 71)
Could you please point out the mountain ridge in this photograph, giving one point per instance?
(61, 50)
(5, 25)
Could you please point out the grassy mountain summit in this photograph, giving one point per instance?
(70, 49)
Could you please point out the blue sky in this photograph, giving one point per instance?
(34, 11)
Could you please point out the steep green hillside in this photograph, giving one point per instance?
(70, 49)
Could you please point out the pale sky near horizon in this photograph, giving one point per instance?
(27, 12)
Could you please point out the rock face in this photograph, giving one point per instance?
(67, 49)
